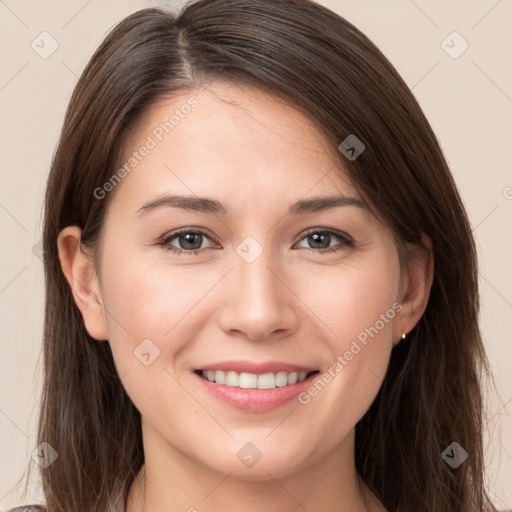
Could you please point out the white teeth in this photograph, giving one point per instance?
(266, 381)
(281, 379)
(253, 381)
(232, 379)
(293, 377)
(248, 380)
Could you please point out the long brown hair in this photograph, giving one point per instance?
(324, 66)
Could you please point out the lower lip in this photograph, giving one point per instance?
(255, 399)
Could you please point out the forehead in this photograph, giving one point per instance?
(228, 138)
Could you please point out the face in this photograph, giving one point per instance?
(262, 318)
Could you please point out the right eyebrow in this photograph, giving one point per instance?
(194, 203)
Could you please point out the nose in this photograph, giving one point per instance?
(258, 301)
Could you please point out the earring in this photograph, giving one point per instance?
(404, 335)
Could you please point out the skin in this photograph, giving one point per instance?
(256, 155)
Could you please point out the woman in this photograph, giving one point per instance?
(261, 281)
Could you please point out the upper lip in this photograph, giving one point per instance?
(256, 367)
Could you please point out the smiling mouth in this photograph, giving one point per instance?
(247, 380)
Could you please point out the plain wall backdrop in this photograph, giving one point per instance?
(454, 54)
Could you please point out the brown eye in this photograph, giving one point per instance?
(188, 241)
(320, 240)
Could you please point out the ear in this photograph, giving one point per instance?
(415, 285)
(79, 271)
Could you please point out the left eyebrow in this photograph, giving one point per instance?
(208, 205)
(317, 204)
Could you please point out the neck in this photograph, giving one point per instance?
(170, 481)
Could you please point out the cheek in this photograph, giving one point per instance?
(147, 299)
(357, 306)
(350, 300)
(151, 320)
(153, 302)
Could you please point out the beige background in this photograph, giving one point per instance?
(467, 99)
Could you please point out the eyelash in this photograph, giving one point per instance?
(346, 241)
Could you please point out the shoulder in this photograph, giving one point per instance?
(28, 508)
